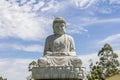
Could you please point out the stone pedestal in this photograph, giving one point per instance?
(57, 73)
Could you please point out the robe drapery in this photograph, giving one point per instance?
(59, 51)
(59, 44)
(49, 61)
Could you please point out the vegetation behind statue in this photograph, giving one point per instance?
(106, 66)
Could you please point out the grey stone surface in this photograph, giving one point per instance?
(59, 43)
(56, 61)
(57, 73)
(59, 48)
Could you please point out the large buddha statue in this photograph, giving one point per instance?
(59, 43)
(59, 48)
(59, 61)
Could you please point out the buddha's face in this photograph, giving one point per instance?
(59, 28)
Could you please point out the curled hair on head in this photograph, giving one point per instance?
(59, 19)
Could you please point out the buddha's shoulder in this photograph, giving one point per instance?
(50, 36)
(53, 36)
(68, 36)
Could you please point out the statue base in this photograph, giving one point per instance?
(57, 73)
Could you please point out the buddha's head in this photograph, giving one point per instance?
(59, 26)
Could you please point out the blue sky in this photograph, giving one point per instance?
(24, 25)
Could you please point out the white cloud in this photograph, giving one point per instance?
(109, 20)
(22, 26)
(114, 1)
(38, 6)
(23, 1)
(113, 40)
(14, 69)
(90, 21)
(108, 6)
(76, 29)
(32, 1)
(30, 48)
(20, 47)
(84, 3)
(4, 4)
(52, 6)
(86, 59)
(14, 22)
(19, 22)
(94, 6)
(105, 10)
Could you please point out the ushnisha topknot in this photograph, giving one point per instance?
(59, 19)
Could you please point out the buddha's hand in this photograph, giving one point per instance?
(48, 53)
(61, 54)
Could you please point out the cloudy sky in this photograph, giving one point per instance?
(24, 25)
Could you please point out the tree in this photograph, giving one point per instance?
(95, 72)
(2, 78)
(106, 66)
(108, 60)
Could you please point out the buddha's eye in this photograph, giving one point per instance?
(62, 25)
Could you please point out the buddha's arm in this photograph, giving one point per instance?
(71, 53)
(47, 49)
(72, 48)
(49, 53)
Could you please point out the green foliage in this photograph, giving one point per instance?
(96, 73)
(108, 60)
(31, 65)
(107, 65)
(2, 78)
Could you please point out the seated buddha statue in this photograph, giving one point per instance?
(59, 48)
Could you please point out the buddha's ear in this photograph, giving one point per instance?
(53, 29)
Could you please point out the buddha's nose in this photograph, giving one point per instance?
(60, 27)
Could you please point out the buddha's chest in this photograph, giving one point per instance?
(59, 41)
(59, 44)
